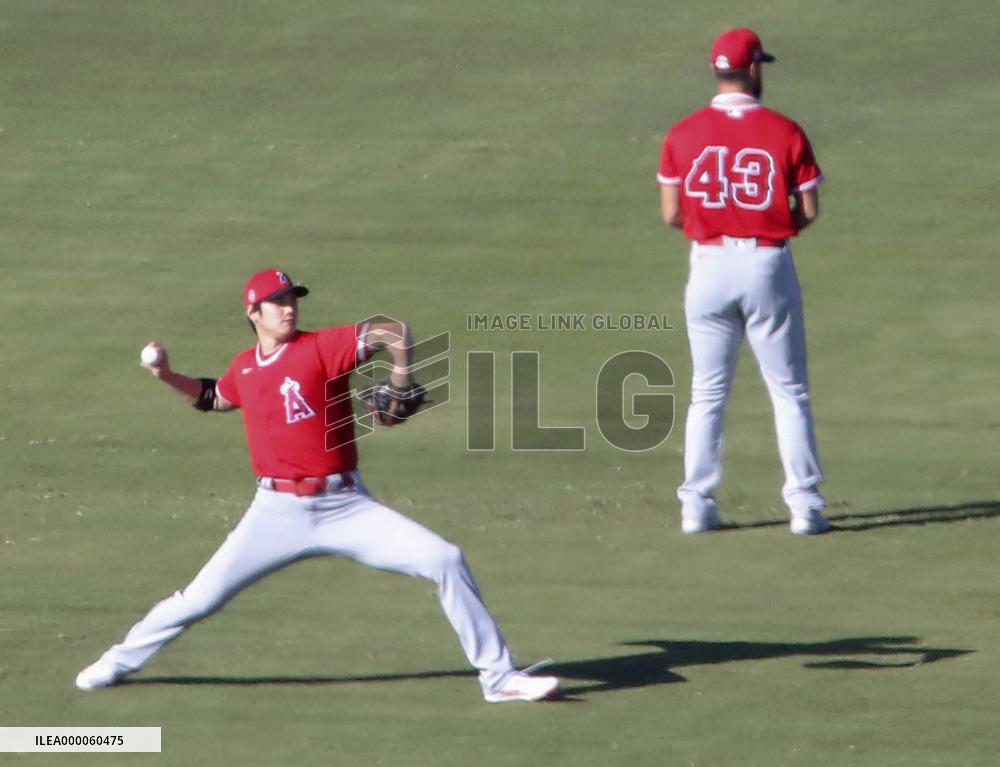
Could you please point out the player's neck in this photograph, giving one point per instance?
(725, 89)
(269, 344)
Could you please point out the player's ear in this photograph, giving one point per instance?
(252, 313)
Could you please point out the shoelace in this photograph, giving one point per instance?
(537, 666)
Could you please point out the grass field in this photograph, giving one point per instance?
(434, 159)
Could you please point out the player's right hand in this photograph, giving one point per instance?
(161, 367)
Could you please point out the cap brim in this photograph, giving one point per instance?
(767, 57)
(299, 291)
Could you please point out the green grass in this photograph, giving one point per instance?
(434, 159)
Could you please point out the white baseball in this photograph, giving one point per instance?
(150, 355)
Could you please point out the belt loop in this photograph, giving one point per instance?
(340, 481)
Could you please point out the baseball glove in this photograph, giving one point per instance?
(391, 404)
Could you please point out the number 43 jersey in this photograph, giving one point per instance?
(737, 163)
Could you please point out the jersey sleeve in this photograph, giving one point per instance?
(668, 173)
(226, 386)
(805, 172)
(341, 348)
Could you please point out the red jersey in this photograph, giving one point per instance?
(287, 403)
(737, 163)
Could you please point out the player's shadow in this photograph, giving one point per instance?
(869, 520)
(647, 668)
(659, 665)
(297, 680)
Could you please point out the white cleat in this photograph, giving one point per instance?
(701, 521)
(521, 686)
(809, 522)
(99, 674)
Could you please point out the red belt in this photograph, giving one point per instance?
(307, 485)
(762, 242)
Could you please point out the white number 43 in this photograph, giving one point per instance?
(748, 181)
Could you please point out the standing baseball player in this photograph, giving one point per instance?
(310, 499)
(741, 180)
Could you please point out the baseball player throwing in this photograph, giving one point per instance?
(728, 174)
(310, 498)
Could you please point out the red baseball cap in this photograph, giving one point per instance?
(270, 284)
(737, 49)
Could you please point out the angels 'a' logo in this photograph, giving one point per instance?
(296, 407)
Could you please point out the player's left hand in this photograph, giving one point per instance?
(391, 404)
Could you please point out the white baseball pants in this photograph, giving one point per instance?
(280, 528)
(738, 289)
